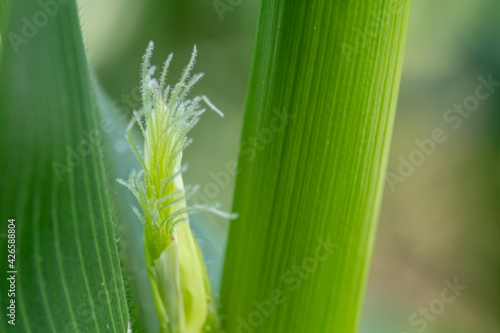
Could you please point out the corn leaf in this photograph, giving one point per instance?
(54, 180)
(4, 9)
(315, 140)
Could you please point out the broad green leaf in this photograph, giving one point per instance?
(4, 10)
(54, 180)
(316, 136)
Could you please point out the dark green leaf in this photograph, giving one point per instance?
(53, 179)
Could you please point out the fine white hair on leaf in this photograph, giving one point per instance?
(213, 107)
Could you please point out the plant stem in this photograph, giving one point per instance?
(316, 136)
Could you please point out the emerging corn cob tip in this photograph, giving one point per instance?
(176, 271)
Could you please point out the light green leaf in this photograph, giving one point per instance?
(316, 136)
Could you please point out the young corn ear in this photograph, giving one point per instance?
(178, 278)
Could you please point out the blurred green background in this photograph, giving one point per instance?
(441, 223)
